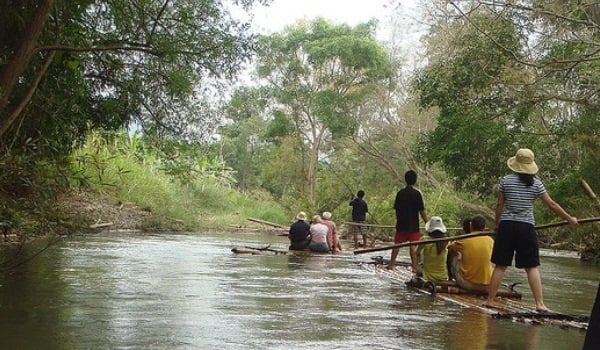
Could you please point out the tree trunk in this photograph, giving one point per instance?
(18, 62)
(312, 170)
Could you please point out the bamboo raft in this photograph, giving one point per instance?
(268, 251)
(507, 306)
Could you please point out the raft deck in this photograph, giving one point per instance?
(505, 307)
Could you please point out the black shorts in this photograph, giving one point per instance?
(518, 239)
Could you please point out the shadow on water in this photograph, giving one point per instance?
(190, 292)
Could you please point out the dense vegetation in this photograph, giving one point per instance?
(135, 99)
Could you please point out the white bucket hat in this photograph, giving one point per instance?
(301, 216)
(523, 162)
(435, 223)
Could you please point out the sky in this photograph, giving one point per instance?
(282, 13)
(285, 12)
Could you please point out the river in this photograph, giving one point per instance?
(189, 291)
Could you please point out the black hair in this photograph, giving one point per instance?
(410, 177)
(527, 179)
(360, 193)
(478, 222)
(466, 225)
(438, 245)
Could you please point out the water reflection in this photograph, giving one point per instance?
(471, 330)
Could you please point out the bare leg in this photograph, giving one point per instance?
(497, 277)
(336, 244)
(413, 258)
(393, 258)
(535, 283)
(355, 242)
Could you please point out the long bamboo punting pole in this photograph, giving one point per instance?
(385, 226)
(469, 235)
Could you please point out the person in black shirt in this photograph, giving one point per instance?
(408, 206)
(359, 216)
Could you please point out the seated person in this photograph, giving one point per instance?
(299, 233)
(432, 256)
(471, 265)
(466, 228)
(318, 235)
(332, 237)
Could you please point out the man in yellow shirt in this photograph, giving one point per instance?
(471, 265)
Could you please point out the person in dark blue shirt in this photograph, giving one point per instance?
(299, 233)
(359, 218)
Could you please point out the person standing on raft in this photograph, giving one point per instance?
(515, 225)
(408, 206)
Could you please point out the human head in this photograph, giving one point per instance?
(477, 223)
(360, 194)
(466, 225)
(301, 216)
(435, 224)
(410, 177)
(316, 218)
(523, 162)
(326, 215)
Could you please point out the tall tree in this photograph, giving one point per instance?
(509, 74)
(72, 65)
(320, 74)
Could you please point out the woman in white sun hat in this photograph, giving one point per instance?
(515, 225)
(432, 257)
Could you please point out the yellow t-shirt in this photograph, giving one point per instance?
(476, 252)
(433, 265)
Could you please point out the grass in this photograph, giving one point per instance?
(203, 201)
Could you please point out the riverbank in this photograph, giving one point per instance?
(80, 211)
(97, 211)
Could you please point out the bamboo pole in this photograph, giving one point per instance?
(267, 223)
(469, 235)
(385, 226)
(590, 192)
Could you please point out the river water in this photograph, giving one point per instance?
(189, 291)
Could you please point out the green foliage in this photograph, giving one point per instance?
(318, 74)
(481, 120)
(111, 163)
(114, 63)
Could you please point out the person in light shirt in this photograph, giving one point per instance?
(318, 234)
(515, 225)
(332, 237)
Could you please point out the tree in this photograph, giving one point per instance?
(70, 67)
(319, 75)
(242, 138)
(512, 74)
(106, 63)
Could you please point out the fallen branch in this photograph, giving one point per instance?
(101, 225)
(272, 224)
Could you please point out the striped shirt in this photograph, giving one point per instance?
(519, 198)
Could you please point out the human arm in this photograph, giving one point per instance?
(330, 238)
(498, 211)
(423, 215)
(453, 247)
(557, 209)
